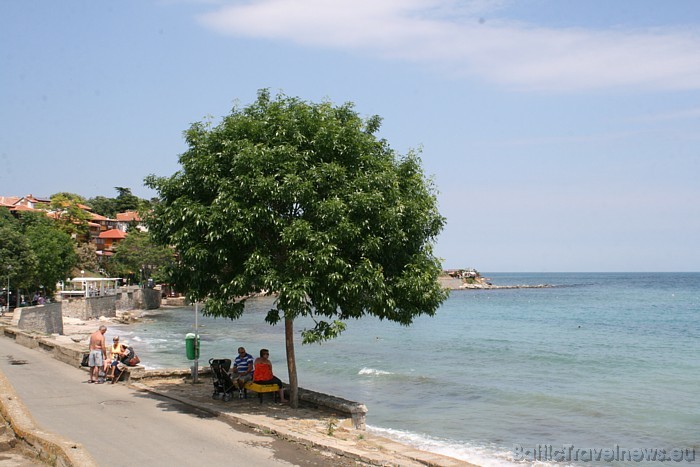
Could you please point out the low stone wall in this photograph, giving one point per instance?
(134, 298)
(90, 308)
(151, 299)
(357, 411)
(65, 351)
(125, 299)
(46, 319)
(174, 301)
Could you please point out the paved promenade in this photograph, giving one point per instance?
(119, 426)
(166, 420)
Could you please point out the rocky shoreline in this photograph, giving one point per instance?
(481, 283)
(498, 287)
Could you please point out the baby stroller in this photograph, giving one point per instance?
(223, 384)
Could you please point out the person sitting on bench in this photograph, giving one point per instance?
(263, 372)
(242, 369)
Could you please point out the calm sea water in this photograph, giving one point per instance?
(595, 362)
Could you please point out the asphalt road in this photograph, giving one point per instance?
(120, 426)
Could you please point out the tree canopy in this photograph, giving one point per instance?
(54, 250)
(137, 253)
(87, 257)
(34, 252)
(69, 214)
(125, 201)
(304, 200)
(17, 259)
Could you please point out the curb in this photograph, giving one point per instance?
(402, 455)
(51, 448)
(277, 431)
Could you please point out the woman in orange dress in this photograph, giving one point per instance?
(262, 374)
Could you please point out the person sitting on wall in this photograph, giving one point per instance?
(115, 352)
(262, 374)
(127, 358)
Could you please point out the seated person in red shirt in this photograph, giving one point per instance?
(263, 372)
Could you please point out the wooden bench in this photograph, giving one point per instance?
(261, 389)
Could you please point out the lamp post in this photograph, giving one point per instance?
(85, 289)
(9, 271)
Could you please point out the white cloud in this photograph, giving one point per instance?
(686, 114)
(449, 35)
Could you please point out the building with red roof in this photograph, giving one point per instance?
(108, 239)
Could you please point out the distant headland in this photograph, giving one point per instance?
(471, 279)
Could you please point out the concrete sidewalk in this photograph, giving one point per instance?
(170, 421)
(118, 426)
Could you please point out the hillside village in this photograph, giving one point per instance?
(67, 244)
(104, 233)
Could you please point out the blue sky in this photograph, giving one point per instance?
(562, 135)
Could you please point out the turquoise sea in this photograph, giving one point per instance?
(501, 377)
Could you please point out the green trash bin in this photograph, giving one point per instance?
(192, 348)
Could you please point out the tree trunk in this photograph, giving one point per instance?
(291, 363)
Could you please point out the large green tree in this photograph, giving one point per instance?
(303, 200)
(17, 259)
(54, 250)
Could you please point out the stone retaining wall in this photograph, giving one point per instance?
(174, 301)
(125, 299)
(67, 352)
(46, 319)
(134, 298)
(90, 308)
(151, 299)
(357, 411)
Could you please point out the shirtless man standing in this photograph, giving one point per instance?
(98, 354)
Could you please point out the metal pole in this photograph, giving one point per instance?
(9, 270)
(196, 343)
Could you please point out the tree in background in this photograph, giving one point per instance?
(71, 216)
(125, 201)
(53, 248)
(103, 206)
(303, 200)
(139, 258)
(17, 259)
(87, 257)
